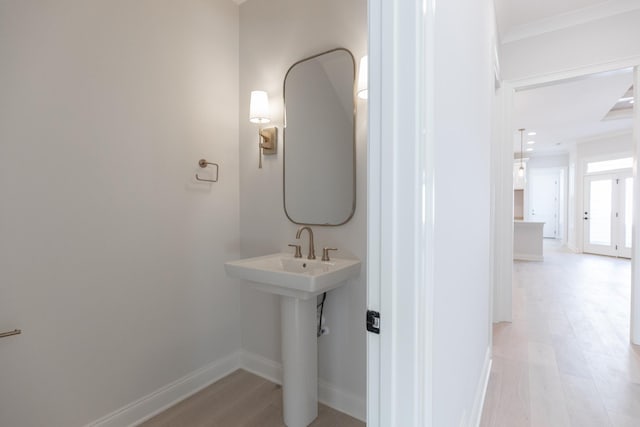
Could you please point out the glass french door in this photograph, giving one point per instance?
(607, 214)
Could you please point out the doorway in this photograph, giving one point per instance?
(537, 93)
(608, 202)
(544, 200)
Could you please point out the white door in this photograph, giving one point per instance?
(544, 198)
(607, 214)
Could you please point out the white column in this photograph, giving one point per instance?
(299, 361)
(635, 250)
(503, 256)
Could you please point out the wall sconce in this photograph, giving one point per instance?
(363, 78)
(259, 113)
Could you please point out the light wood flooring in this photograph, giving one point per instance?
(566, 359)
(240, 399)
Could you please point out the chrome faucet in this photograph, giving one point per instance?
(312, 250)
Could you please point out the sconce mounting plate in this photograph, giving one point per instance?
(269, 138)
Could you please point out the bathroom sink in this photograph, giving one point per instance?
(302, 278)
(296, 281)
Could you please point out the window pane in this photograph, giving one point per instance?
(609, 165)
(600, 212)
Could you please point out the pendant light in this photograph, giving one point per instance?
(521, 170)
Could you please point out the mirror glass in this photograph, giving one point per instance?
(319, 139)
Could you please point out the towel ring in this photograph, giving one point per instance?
(203, 164)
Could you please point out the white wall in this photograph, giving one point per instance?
(111, 256)
(572, 220)
(274, 35)
(597, 42)
(461, 335)
(550, 161)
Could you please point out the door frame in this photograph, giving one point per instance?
(402, 32)
(617, 227)
(586, 203)
(400, 225)
(504, 259)
(635, 251)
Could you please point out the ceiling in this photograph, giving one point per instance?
(511, 14)
(566, 112)
(517, 19)
(573, 111)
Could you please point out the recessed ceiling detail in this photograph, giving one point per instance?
(519, 19)
(623, 108)
(571, 111)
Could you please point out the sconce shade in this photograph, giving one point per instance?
(259, 107)
(363, 78)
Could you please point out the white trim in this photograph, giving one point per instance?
(604, 136)
(635, 249)
(374, 210)
(481, 391)
(570, 19)
(261, 366)
(328, 393)
(503, 182)
(502, 304)
(167, 396)
(527, 83)
(573, 249)
(400, 211)
(525, 257)
(341, 400)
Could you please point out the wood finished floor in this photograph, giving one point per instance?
(566, 359)
(240, 399)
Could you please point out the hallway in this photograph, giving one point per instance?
(566, 358)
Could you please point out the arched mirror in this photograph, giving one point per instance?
(319, 139)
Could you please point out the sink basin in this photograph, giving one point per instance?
(301, 278)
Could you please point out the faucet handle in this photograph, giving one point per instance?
(325, 253)
(298, 253)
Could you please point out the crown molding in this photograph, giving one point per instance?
(604, 136)
(570, 19)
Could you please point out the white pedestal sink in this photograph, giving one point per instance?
(298, 281)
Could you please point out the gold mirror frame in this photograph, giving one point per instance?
(353, 139)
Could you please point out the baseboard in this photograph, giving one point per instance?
(573, 249)
(481, 391)
(167, 396)
(342, 401)
(261, 366)
(328, 394)
(523, 257)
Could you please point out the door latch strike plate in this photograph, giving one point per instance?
(373, 321)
